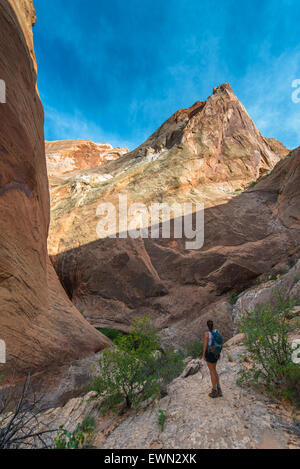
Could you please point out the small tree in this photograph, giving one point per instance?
(21, 419)
(194, 349)
(166, 365)
(267, 339)
(125, 368)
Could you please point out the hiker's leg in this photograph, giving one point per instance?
(216, 373)
(212, 374)
(220, 394)
(214, 392)
(209, 371)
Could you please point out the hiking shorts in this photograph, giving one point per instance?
(211, 358)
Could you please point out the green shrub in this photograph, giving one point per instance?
(291, 388)
(270, 353)
(273, 277)
(136, 369)
(162, 419)
(112, 334)
(194, 349)
(166, 366)
(89, 422)
(125, 368)
(79, 438)
(234, 297)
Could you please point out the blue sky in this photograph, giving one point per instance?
(115, 70)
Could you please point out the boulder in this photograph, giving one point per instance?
(286, 285)
(192, 368)
(238, 339)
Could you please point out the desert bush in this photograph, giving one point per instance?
(79, 438)
(124, 369)
(136, 369)
(194, 349)
(234, 297)
(273, 277)
(162, 416)
(21, 418)
(112, 334)
(166, 366)
(267, 340)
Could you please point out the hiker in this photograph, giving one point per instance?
(211, 353)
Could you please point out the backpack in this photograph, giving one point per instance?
(216, 343)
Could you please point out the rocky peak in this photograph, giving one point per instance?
(220, 135)
(225, 88)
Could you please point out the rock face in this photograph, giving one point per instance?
(208, 154)
(287, 284)
(220, 140)
(201, 154)
(39, 324)
(72, 155)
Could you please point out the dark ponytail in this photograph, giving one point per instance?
(210, 325)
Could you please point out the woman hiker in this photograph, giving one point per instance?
(211, 353)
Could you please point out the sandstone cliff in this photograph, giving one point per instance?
(201, 154)
(72, 155)
(208, 153)
(39, 324)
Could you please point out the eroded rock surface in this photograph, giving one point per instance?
(73, 155)
(112, 280)
(281, 286)
(208, 153)
(201, 154)
(39, 324)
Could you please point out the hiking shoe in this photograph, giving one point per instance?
(220, 394)
(214, 393)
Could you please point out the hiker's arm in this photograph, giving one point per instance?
(205, 344)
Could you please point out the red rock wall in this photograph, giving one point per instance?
(37, 321)
(66, 156)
